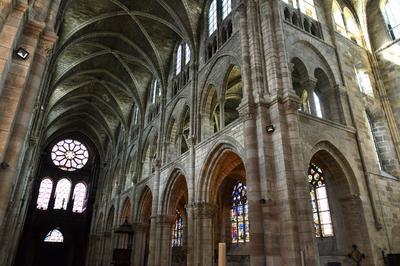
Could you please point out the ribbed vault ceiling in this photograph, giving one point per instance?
(107, 54)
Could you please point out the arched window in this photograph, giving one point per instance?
(317, 102)
(182, 58)
(63, 190)
(54, 236)
(69, 155)
(177, 231)
(239, 215)
(319, 199)
(79, 198)
(391, 13)
(338, 18)
(226, 8)
(212, 18)
(352, 26)
(187, 54)
(45, 189)
(136, 115)
(178, 67)
(156, 91)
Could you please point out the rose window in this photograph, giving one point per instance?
(69, 155)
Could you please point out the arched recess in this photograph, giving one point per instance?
(233, 95)
(184, 131)
(126, 212)
(211, 112)
(172, 143)
(149, 155)
(142, 227)
(174, 201)
(222, 174)
(300, 84)
(327, 97)
(343, 202)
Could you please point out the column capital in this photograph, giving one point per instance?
(140, 227)
(164, 219)
(309, 83)
(202, 210)
(247, 111)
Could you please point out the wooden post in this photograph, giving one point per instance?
(221, 254)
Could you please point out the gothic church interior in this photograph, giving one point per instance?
(199, 132)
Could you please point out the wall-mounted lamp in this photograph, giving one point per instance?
(270, 129)
(263, 201)
(4, 165)
(22, 53)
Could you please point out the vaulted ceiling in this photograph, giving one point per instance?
(107, 54)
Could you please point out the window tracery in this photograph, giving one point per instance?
(346, 23)
(240, 232)
(69, 155)
(391, 13)
(54, 236)
(177, 231)
(319, 199)
(45, 189)
(79, 198)
(62, 193)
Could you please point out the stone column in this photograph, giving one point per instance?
(309, 85)
(203, 249)
(154, 245)
(164, 225)
(253, 74)
(139, 246)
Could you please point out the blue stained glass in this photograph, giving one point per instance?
(239, 215)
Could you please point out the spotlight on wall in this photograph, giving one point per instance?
(270, 129)
(4, 165)
(22, 53)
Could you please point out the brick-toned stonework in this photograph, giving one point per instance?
(91, 74)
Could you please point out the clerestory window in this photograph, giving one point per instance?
(391, 13)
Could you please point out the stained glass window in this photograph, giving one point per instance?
(178, 60)
(392, 8)
(177, 231)
(212, 18)
(46, 186)
(63, 190)
(79, 198)
(69, 155)
(54, 236)
(319, 199)
(239, 215)
(226, 8)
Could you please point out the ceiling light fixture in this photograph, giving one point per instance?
(22, 53)
(270, 129)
